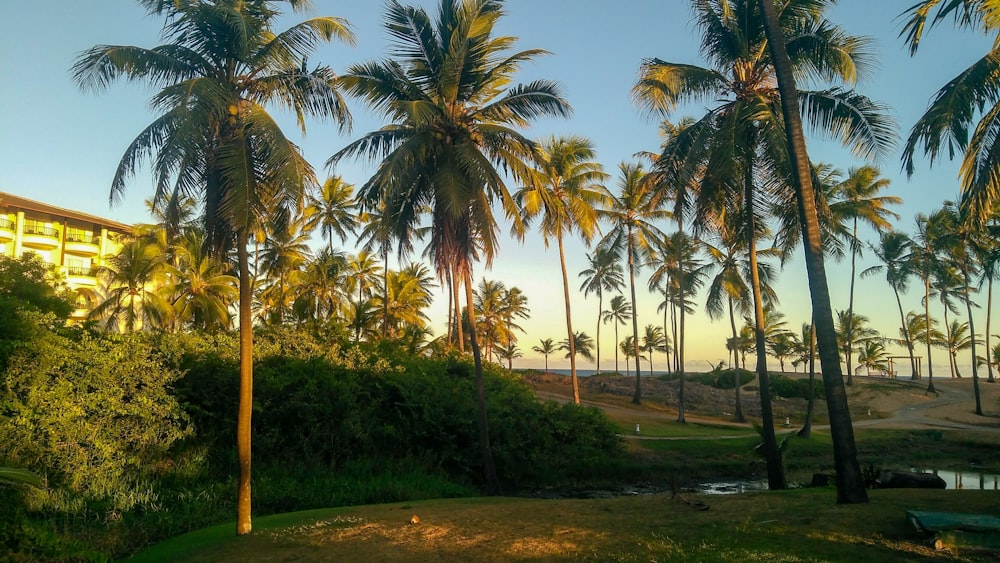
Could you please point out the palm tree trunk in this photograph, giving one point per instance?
(989, 307)
(385, 293)
(972, 333)
(679, 345)
(906, 334)
(245, 408)
(489, 468)
(616, 347)
(947, 336)
(850, 481)
(458, 314)
(806, 429)
(927, 336)
(451, 306)
(600, 305)
(637, 397)
(569, 322)
(850, 307)
(775, 466)
(737, 374)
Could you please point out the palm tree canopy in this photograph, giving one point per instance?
(453, 120)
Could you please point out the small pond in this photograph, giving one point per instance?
(952, 479)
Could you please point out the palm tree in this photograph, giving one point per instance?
(850, 481)
(565, 190)
(619, 312)
(514, 305)
(956, 338)
(409, 295)
(323, 285)
(131, 279)
(332, 208)
(202, 290)
(362, 272)
(853, 329)
(453, 121)
(872, 355)
(628, 348)
(945, 126)
(988, 256)
(925, 260)
(632, 214)
(893, 250)
(582, 345)
(857, 199)
(545, 347)
(489, 303)
(918, 331)
(214, 138)
(285, 252)
(604, 274)
(653, 340)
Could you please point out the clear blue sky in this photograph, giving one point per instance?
(61, 145)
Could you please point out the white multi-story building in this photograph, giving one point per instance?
(76, 243)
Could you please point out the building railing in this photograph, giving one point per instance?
(30, 229)
(7, 224)
(89, 271)
(83, 237)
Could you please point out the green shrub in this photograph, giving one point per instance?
(792, 388)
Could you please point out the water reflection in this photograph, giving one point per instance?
(966, 479)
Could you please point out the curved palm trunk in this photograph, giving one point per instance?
(989, 307)
(806, 429)
(775, 466)
(850, 307)
(245, 408)
(489, 468)
(972, 333)
(850, 481)
(637, 397)
(737, 374)
(569, 322)
(906, 334)
(927, 335)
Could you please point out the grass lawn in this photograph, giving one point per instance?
(796, 525)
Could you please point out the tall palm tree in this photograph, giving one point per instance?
(918, 331)
(988, 256)
(632, 213)
(282, 258)
(513, 306)
(545, 347)
(333, 209)
(214, 140)
(945, 126)
(565, 191)
(853, 330)
(619, 312)
(893, 250)
(850, 481)
(453, 121)
(925, 259)
(489, 303)
(604, 274)
(409, 294)
(323, 288)
(858, 199)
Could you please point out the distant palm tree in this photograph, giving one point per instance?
(333, 209)
(872, 356)
(893, 250)
(284, 254)
(545, 347)
(619, 312)
(323, 285)
(362, 271)
(956, 338)
(202, 290)
(453, 117)
(604, 274)
(628, 348)
(582, 345)
(632, 214)
(130, 279)
(653, 340)
(566, 190)
(857, 199)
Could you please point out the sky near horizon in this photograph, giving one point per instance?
(61, 145)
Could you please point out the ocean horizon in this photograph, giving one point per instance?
(589, 372)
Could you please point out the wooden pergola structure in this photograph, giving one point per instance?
(891, 365)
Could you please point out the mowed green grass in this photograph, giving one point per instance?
(795, 525)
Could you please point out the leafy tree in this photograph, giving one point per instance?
(214, 140)
(453, 124)
(32, 298)
(565, 190)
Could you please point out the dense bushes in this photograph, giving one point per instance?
(791, 388)
(717, 378)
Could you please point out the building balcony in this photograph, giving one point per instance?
(37, 236)
(81, 276)
(8, 230)
(82, 244)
